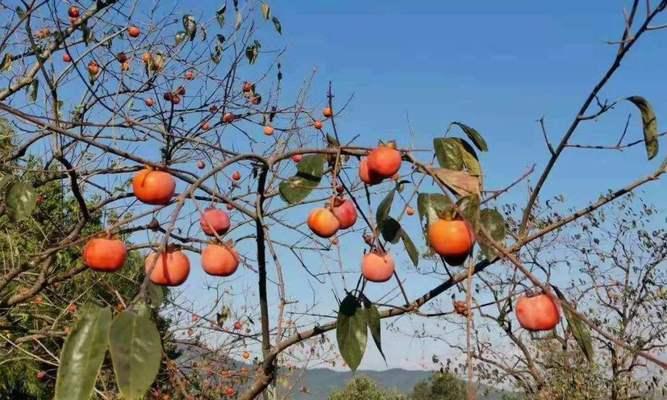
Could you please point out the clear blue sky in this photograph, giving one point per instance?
(498, 66)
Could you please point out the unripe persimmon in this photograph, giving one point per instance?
(366, 175)
(384, 161)
(327, 112)
(214, 220)
(537, 313)
(323, 222)
(452, 239)
(377, 267)
(170, 268)
(104, 255)
(153, 187)
(346, 213)
(133, 31)
(218, 260)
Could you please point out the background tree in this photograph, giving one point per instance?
(362, 388)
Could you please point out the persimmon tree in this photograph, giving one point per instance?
(157, 121)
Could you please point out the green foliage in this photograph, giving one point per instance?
(441, 386)
(309, 173)
(363, 388)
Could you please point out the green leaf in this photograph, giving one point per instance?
(180, 37)
(266, 11)
(277, 25)
(375, 327)
(251, 53)
(220, 15)
(308, 176)
(33, 90)
(494, 224)
(410, 247)
(473, 135)
(469, 209)
(384, 208)
(448, 152)
(351, 331)
(6, 64)
(650, 124)
(432, 206)
(136, 351)
(190, 26)
(82, 354)
(469, 157)
(391, 230)
(577, 327)
(21, 200)
(156, 294)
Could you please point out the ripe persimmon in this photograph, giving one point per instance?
(410, 211)
(153, 187)
(452, 239)
(238, 325)
(323, 222)
(133, 31)
(366, 175)
(297, 158)
(377, 267)
(268, 130)
(74, 12)
(219, 260)
(317, 124)
(228, 118)
(189, 75)
(175, 99)
(230, 391)
(121, 57)
(205, 126)
(93, 68)
(327, 112)
(147, 57)
(170, 268)
(214, 220)
(246, 355)
(149, 102)
(346, 212)
(247, 86)
(537, 313)
(236, 176)
(201, 164)
(105, 255)
(67, 58)
(384, 161)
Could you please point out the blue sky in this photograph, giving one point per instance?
(497, 66)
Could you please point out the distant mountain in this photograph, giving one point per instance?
(320, 382)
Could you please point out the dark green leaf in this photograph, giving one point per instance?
(351, 331)
(266, 11)
(277, 25)
(136, 351)
(473, 135)
(21, 200)
(6, 64)
(410, 247)
(375, 327)
(494, 224)
(220, 15)
(650, 124)
(33, 90)
(469, 209)
(448, 152)
(309, 173)
(251, 53)
(391, 230)
(190, 26)
(384, 208)
(469, 157)
(82, 354)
